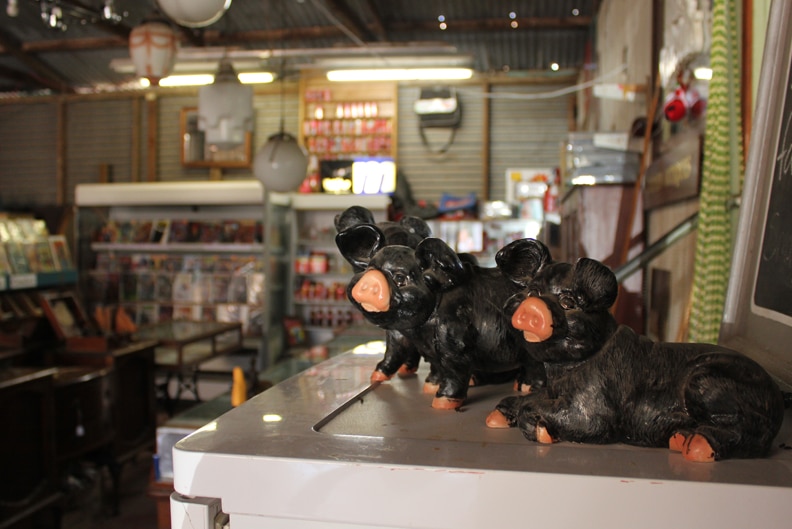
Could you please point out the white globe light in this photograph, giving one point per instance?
(194, 13)
(281, 163)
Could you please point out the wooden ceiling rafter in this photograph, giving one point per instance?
(42, 73)
(349, 20)
(375, 26)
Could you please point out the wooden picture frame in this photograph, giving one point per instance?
(65, 314)
(195, 152)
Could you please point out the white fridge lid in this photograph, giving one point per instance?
(324, 446)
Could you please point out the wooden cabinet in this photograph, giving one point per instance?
(29, 490)
(340, 121)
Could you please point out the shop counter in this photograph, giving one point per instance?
(325, 449)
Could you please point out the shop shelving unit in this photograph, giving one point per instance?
(206, 261)
(320, 274)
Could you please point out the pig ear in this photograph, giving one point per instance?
(521, 260)
(442, 268)
(596, 282)
(358, 244)
(417, 226)
(353, 216)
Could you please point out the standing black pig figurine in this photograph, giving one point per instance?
(401, 356)
(449, 308)
(606, 384)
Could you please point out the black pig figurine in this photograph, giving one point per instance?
(401, 356)
(607, 384)
(446, 306)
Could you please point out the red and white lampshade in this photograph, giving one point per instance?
(152, 47)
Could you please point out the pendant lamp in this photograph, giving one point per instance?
(152, 48)
(225, 108)
(194, 13)
(281, 163)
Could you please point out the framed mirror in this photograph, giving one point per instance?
(196, 153)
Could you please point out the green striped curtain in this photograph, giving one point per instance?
(723, 164)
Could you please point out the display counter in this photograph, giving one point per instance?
(326, 449)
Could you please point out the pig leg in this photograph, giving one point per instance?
(452, 388)
(545, 419)
(401, 356)
(736, 410)
(531, 377)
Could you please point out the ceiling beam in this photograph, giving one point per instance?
(84, 11)
(218, 38)
(45, 75)
(348, 19)
(375, 26)
(496, 24)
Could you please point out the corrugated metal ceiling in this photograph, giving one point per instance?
(34, 57)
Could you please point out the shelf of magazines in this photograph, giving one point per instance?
(37, 280)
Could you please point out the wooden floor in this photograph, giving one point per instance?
(88, 505)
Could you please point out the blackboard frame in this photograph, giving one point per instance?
(761, 333)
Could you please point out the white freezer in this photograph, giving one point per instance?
(344, 454)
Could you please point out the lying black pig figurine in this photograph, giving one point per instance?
(445, 305)
(401, 356)
(606, 384)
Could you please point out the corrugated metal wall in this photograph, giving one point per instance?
(527, 130)
(524, 131)
(459, 170)
(28, 156)
(98, 132)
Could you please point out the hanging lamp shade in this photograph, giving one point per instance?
(225, 108)
(281, 163)
(194, 13)
(152, 48)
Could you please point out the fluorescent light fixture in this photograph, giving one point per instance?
(702, 72)
(256, 77)
(400, 74)
(207, 78)
(187, 80)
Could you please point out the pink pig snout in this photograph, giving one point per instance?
(534, 318)
(372, 292)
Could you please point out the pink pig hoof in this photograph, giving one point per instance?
(497, 420)
(379, 376)
(677, 442)
(542, 436)
(405, 371)
(698, 449)
(445, 403)
(430, 388)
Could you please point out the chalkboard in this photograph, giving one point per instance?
(773, 288)
(757, 317)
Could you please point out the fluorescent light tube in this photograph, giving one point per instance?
(400, 74)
